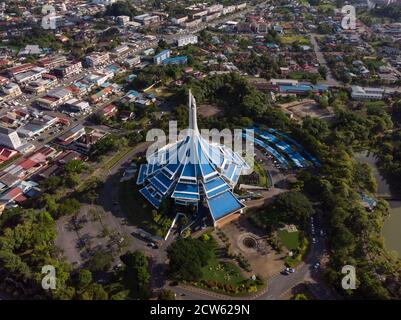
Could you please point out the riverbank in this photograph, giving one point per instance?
(392, 225)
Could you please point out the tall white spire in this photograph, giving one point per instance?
(193, 123)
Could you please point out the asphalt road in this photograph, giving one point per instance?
(117, 220)
(322, 61)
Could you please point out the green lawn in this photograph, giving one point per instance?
(263, 179)
(289, 239)
(223, 272)
(116, 157)
(326, 7)
(289, 39)
(9, 161)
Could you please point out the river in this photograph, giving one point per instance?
(392, 225)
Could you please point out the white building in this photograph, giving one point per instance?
(212, 16)
(146, 19)
(9, 138)
(12, 89)
(98, 78)
(97, 58)
(30, 50)
(215, 8)
(121, 52)
(229, 9)
(31, 75)
(187, 39)
(68, 70)
(360, 93)
(77, 105)
(104, 2)
(283, 82)
(123, 20)
(179, 20)
(133, 61)
(241, 6)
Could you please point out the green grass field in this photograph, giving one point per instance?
(326, 7)
(289, 39)
(116, 157)
(289, 239)
(263, 179)
(223, 272)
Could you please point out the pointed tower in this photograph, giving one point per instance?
(193, 122)
(204, 172)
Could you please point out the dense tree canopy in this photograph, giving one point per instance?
(187, 258)
(291, 207)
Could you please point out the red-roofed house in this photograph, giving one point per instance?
(48, 152)
(38, 157)
(109, 111)
(19, 69)
(11, 195)
(27, 164)
(4, 81)
(6, 154)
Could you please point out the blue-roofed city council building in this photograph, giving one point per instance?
(195, 172)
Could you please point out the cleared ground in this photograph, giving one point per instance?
(307, 107)
(209, 110)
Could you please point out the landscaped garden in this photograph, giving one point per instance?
(226, 278)
(290, 39)
(286, 209)
(195, 261)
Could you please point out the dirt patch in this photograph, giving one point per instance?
(260, 83)
(306, 107)
(209, 110)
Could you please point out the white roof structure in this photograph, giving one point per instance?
(193, 170)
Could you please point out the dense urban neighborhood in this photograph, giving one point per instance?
(305, 192)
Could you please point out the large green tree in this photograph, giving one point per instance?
(187, 258)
